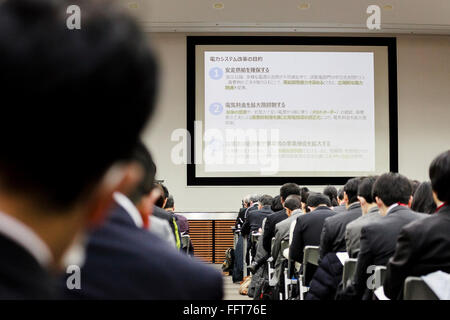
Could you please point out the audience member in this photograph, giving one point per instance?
(286, 190)
(304, 194)
(333, 232)
(423, 200)
(309, 226)
(123, 261)
(424, 246)
(292, 206)
(159, 212)
(255, 217)
(241, 215)
(60, 160)
(182, 222)
(392, 193)
(342, 205)
(142, 198)
(276, 204)
(370, 213)
(332, 193)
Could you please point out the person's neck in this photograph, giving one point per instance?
(349, 204)
(368, 207)
(57, 229)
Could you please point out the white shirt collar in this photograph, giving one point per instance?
(129, 207)
(391, 207)
(26, 238)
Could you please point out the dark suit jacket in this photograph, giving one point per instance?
(307, 231)
(377, 243)
(339, 209)
(240, 218)
(269, 227)
(422, 247)
(255, 219)
(127, 262)
(21, 276)
(333, 231)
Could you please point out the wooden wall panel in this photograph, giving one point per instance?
(223, 238)
(211, 238)
(202, 238)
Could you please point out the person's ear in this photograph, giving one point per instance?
(436, 199)
(345, 197)
(362, 200)
(410, 201)
(379, 202)
(119, 178)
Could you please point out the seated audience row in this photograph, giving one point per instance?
(385, 220)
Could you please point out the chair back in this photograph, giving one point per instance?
(416, 289)
(185, 241)
(310, 256)
(349, 271)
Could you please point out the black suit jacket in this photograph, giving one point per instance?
(21, 276)
(307, 231)
(127, 262)
(333, 231)
(422, 247)
(378, 241)
(269, 227)
(240, 219)
(255, 219)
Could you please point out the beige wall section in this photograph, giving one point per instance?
(424, 114)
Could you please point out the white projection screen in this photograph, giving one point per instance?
(311, 110)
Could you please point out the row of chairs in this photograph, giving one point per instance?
(414, 288)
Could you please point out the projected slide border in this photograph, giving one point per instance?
(193, 41)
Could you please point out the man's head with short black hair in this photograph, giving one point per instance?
(170, 204)
(365, 189)
(351, 190)
(331, 193)
(317, 199)
(73, 101)
(293, 202)
(391, 188)
(365, 193)
(142, 156)
(440, 177)
(265, 200)
(276, 204)
(161, 201)
(288, 189)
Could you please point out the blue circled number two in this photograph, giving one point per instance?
(216, 108)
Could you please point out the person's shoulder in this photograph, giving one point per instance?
(425, 224)
(140, 251)
(276, 215)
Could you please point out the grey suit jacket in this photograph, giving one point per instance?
(332, 238)
(161, 228)
(353, 231)
(282, 232)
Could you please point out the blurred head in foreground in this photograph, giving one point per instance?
(73, 105)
